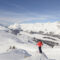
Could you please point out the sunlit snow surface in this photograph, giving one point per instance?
(25, 48)
(24, 51)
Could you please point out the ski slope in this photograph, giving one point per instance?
(23, 55)
(25, 47)
(24, 50)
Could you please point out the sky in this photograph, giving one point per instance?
(29, 11)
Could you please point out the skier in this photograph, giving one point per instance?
(40, 45)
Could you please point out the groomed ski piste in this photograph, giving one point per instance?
(22, 47)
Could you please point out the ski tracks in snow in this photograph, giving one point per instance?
(39, 57)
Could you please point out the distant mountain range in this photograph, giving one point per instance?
(53, 28)
(35, 28)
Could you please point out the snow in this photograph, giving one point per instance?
(25, 47)
(53, 53)
(45, 27)
(12, 40)
(15, 26)
(14, 55)
(36, 27)
(39, 36)
(3, 28)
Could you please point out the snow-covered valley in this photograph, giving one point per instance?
(18, 41)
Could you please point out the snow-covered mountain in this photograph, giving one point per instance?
(18, 41)
(40, 31)
(45, 27)
(43, 31)
(37, 27)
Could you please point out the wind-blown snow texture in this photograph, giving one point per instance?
(22, 45)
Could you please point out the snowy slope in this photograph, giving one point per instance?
(17, 54)
(23, 47)
(44, 31)
(7, 40)
(3, 28)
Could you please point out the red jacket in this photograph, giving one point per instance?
(39, 44)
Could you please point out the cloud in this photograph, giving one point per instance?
(13, 17)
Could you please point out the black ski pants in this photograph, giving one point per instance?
(40, 50)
